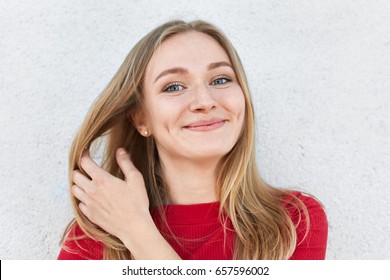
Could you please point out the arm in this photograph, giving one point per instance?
(78, 246)
(120, 207)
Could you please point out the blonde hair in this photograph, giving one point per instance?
(263, 227)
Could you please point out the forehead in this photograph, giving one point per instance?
(189, 50)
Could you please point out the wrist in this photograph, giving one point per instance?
(135, 229)
(144, 241)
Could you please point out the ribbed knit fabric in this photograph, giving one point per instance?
(198, 234)
(195, 232)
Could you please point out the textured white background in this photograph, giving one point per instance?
(320, 78)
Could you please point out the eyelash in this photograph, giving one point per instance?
(223, 77)
(167, 87)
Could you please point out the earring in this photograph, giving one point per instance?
(146, 132)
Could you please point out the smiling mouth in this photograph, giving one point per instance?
(206, 126)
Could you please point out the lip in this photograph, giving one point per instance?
(206, 125)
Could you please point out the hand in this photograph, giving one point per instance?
(111, 203)
(121, 207)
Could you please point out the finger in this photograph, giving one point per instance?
(84, 209)
(125, 162)
(79, 194)
(89, 165)
(81, 180)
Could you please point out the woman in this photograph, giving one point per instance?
(179, 178)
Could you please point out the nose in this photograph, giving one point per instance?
(202, 100)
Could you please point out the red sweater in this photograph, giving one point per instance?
(199, 234)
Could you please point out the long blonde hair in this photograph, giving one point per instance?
(264, 229)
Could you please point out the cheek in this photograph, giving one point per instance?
(242, 106)
(238, 109)
(164, 114)
(236, 103)
(154, 115)
(239, 114)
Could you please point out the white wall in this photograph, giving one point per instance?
(319, 73)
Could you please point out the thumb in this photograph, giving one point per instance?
(124, 162)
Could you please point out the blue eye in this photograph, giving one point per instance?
(221, 81)
(173, 87)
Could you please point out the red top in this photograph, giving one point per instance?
(199, 234)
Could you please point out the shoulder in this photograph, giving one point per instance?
(78, 246)
(311, 223)
(297, 203)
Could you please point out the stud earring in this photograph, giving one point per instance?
(146, 132)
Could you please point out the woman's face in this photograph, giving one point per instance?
(194, 105)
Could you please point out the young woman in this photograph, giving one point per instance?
(179, 178)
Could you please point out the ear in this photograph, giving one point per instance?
(140, 122)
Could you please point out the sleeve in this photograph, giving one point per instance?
(83, 248)
(311, 245)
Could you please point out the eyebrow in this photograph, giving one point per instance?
(181, 70)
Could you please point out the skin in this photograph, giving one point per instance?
(196, 94)
(194, 108)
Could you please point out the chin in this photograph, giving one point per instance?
(209, 154)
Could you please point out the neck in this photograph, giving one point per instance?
(188, 181)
